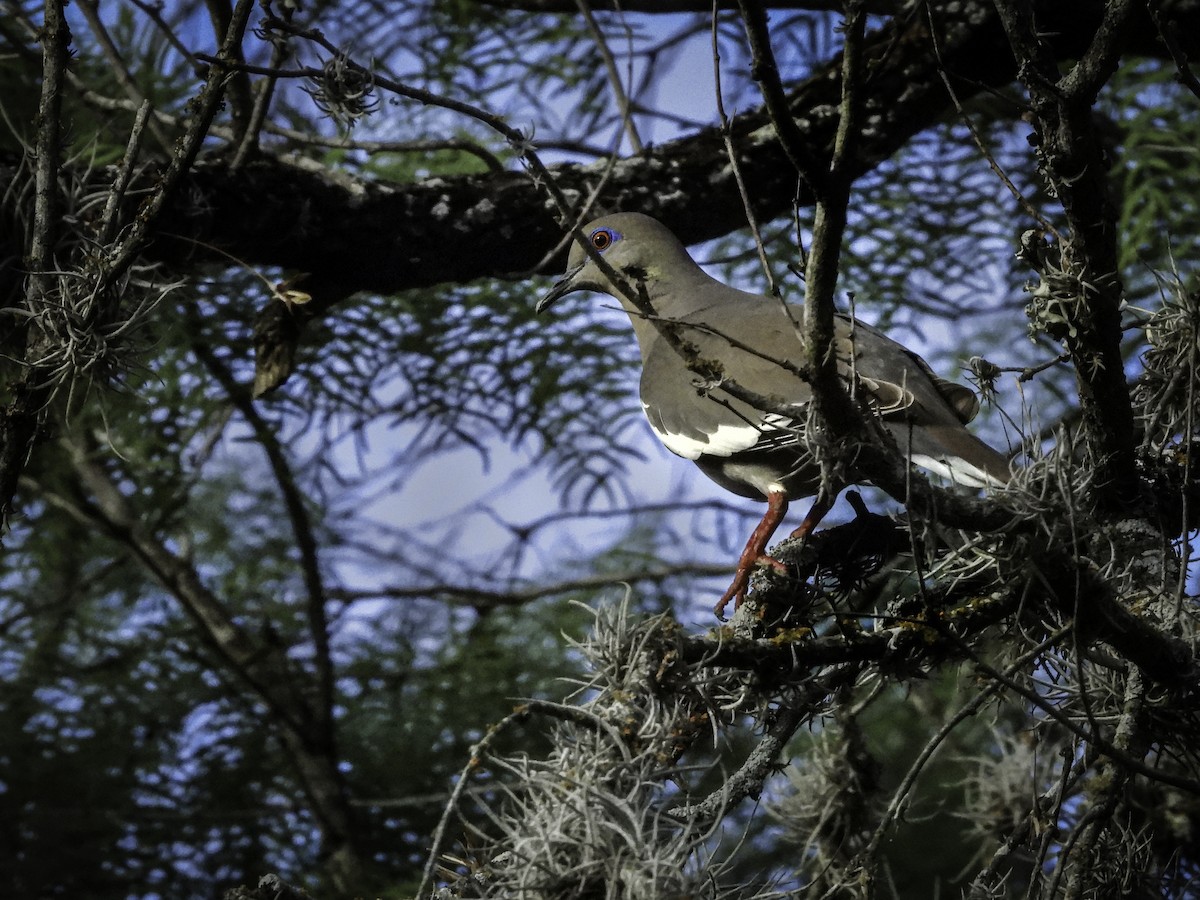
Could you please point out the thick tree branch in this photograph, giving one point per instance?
(358, 235)
(1074, 162)
(19, 421)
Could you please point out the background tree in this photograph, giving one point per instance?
(296, 488)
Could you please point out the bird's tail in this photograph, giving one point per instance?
(954, 453)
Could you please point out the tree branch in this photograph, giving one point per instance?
(799, 148)
(263, 666)
(19, 421)
(302, 531)
(366, 235)
(1074, 161)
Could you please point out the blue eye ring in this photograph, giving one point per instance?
(603, 238)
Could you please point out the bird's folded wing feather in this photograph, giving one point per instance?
(695, 417)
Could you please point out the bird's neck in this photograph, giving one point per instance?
(679, 298)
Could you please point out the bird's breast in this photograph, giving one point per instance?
(792, 472)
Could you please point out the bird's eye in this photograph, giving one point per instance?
(602, 238)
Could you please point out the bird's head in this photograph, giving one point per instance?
(636, 246)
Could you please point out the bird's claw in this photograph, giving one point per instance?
(741, 583)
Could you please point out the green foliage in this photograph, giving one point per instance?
(468, 366)
(122, 758)
(1157, 173)
(408, 722)
(137, 757)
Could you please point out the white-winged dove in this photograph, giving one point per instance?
(751, 452)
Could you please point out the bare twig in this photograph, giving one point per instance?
(519, 141)
(765, 71)
(900, 795)
(487, 598)
(731, 154)
(116, 195)
(154, 11)
(205, 105)
(302, 530)
(1169, 32)
(614, 75)
(258, 114)
(963, 116)
(56, 39)
(90, 11)
(460, 787)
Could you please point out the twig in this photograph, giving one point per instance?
(248, 142)
(118, 67)
(205, 105)
(236, 84)
(1106, 747)
(1169, 33)
(518, 715)
(900, 795)
(302, 531)
(1071, 774)
(519, 142)
(1114, 780)
(116, 194)
(731, 154)
(154, 11)
(19, 423)
(832, 405)
(614, 76)
(1074, 161)
(748, 780)
(56, 39)
(488, 598)
(995, 166)
(765, 72)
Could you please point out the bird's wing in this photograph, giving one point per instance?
(899, 381)
(688, 409)
(694, 417)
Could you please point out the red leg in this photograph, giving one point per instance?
(756, 547)
(777, 505)
(815, 514)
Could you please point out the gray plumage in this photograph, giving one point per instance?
(746, 450)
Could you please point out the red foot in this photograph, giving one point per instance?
(741, 582)
(755, 552)
(815, 514)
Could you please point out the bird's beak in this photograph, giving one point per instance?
(562, 287)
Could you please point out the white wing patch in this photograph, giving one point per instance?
(725, 441)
